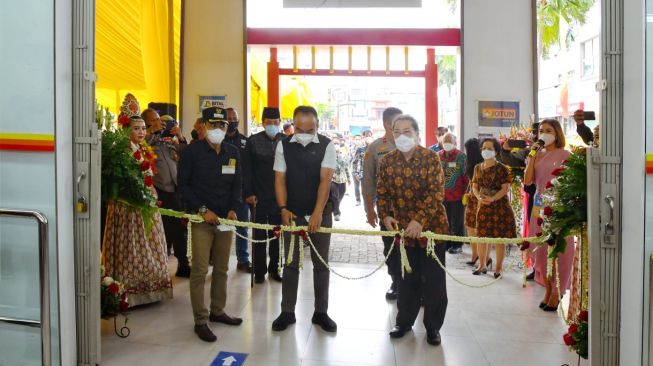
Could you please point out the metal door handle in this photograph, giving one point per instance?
(609, 226)
(81, 176)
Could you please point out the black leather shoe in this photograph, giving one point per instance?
(530, 276)
(393, 291)
(204, 333)
(275, 276)
(183, 271)
(259, 279)
(226, 319)
(283, 321)
(433, 338)
(245, 267)
(455, 250)
(323, 320)
(398, 331)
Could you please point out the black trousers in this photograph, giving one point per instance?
(394, 261)
(456, 215)
(259, 250)
(427, 280)
(336, 195)
(175, 232)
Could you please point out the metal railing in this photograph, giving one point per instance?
(44, 283)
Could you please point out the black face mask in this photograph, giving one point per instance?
(194, 135)
(233, 126)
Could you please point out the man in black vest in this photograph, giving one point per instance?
(259, 192)
(304, 164)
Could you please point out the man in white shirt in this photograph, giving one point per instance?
(304, 164)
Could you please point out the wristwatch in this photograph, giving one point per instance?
(202, 210)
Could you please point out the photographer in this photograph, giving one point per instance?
(581, 128)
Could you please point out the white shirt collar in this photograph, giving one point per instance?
(315, 139)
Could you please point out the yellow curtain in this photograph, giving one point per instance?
(133, 51)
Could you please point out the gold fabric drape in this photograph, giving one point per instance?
(132, 51)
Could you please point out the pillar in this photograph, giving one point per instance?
(273, 79)
(431, 96)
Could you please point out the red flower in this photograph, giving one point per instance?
(124, 121)
(525, 245)
(572, 329)
(276, 231)
(148, 181)
(145, 165)
(124, 306)
(558, 171)
(583, 316)
(113, 289)
(540, 221)
(137, 155)
(123, 298)
(549, 185)
(548, 211)
(569, 341)
(538, 234)
(397, 239)
(303, 235)
(159, 203)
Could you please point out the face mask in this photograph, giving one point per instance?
(448, 146)
(547, 138)
(304, 138)
(233, 126)
(271, 130)
(488, 154)
(215, 136)
(404, 143)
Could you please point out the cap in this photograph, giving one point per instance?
(271, 113)
(214, 114)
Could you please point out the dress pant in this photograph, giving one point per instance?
(209, 241)
(427, 280)
(175, 232)
(357, 189)
(394, 261)
(259, 250)
(456, 215)
(336, 195)
(241, 244)
(321, 242)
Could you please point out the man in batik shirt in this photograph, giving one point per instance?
(340, 180)
(410, 192)
(455, 186)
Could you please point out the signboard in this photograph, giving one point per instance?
(352, 3)
(498, 114)
(207, 101)
(229, 359)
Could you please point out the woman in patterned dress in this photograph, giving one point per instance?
(539, 168)
(495, 218)
(473, 152)
(130, 254)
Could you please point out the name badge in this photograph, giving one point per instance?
(451, 164)
(228, 169)
(223, 227)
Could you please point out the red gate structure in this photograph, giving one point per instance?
(430, 38)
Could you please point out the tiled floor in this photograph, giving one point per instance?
(497, 325)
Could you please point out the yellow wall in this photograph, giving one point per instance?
(213, 56)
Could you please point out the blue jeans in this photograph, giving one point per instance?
(241, 244)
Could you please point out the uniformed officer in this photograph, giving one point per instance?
(259, 193)
(210, 182)
(237, 139)
(373, 155)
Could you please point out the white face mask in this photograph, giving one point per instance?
(448, 146)
(547, 138)
(488, 154)
(404, 143)
(304, 138)
(215, 136)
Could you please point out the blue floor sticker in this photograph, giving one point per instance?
(229, 359)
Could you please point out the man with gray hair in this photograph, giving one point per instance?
(455, 186)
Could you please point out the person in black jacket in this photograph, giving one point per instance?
(259, 193)
(581, 128)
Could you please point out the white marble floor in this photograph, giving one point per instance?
(497, 325)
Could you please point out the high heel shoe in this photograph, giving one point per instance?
(489, 263)
(542, 305)
(497, 274)
(472, 262)
(480, 271)
(548, 308)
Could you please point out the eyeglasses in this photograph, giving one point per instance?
(216, 125)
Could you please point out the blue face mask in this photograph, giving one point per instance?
(271, 130)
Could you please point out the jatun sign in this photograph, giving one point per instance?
(498, 114)
(208, 101)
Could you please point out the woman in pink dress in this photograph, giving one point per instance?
(539, 167)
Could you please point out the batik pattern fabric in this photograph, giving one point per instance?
(471, 210)
(413, 190)
(341, 175)
(135, 257)
(496, 220)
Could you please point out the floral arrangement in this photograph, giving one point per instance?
(565, 202)
(113, 298)
(577, 335)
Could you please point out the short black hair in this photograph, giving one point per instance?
(406, 117)
(305, 109)
(473, 151)
(495, 144)
(389, 114)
